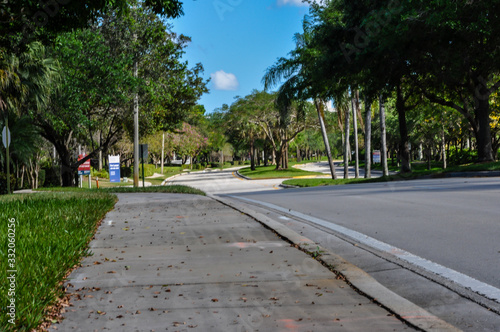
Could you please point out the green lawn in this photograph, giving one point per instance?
(270, 172)
(52, 231)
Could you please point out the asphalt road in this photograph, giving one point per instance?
(442, 225)
(453, 222)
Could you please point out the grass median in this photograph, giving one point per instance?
(419, 170)
(270, 172)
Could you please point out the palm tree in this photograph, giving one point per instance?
(11, 94)
(298, 83)
(25, 84)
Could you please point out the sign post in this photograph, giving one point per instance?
(114, 168)
(84, 169)
(6, 142)
(144, 155)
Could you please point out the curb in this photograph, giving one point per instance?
(479, 174)
(288, 186)
(242, 176)
(164, 182)
(357, 278)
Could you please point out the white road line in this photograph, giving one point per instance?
(465, 281)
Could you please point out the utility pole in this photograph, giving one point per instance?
(136, 132)
(136, 115)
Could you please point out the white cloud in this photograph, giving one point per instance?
(297, 3)
(224, 81)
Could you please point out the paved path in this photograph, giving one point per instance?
(164, 262)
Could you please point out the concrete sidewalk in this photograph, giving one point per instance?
(165, 262)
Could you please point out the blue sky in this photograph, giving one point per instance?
(237, 40)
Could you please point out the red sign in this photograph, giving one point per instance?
(84, 168)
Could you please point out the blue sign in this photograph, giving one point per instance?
(83, 172)
(114, 168)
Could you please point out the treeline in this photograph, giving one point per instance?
(425, 72)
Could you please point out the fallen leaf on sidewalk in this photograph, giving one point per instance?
(215, 300)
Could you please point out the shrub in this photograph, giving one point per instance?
(149, 170)
(100, 174)
(126, 172)
(3, 183)
(460, 157)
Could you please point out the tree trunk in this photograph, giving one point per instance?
(383, 139)
(319, 109)
(356, 145)
(279, 158)
(22, 177)
(483, 133)
(368, 140)
(347, 151)
(404, 150)
(429, 159)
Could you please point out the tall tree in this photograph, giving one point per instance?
(96, 92)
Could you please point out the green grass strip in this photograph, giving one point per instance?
(270, 172)
(419, 171)
(52, 232)
(170, 189)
